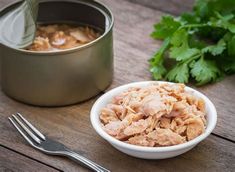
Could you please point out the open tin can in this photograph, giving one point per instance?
(61, 77)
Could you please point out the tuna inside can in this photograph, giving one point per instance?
(61, 77)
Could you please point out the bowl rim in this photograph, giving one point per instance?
(96, 123)
(94, 4)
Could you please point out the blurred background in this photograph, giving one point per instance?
(170, 6)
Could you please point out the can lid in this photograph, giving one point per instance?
(18, 24)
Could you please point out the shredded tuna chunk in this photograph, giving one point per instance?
(132, 117)
(152, 123)
(156, 105)
(155, 115)
(141, 140)
(61, 37)
(40, 44)
(115, 129)
(165, 122)
(165, 137)
(136, 127)
(107, 115)
(195, 128)
(181, 130)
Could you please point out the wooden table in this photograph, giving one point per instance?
(71, 125)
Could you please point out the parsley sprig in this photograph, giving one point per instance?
(201, 43)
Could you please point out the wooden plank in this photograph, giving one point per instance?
(56, 120)
(175, 7)
(71, 124)
(73, 129)
(12, 161)
(6, 2)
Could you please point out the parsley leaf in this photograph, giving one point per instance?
(167, 26)
(158, 71)
(229, 67)
(228, 64)
(223, 22)
(204, 71)
(215, 49)
(201, 43)
(180, 73)
(231, 46)
(180, 49)
(156, 62)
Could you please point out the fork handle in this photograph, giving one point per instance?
(86, 162)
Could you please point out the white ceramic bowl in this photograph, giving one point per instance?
(150, 152)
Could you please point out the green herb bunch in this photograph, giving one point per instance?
(201, 43)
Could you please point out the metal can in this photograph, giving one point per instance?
(61, 77)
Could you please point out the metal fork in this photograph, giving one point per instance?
(36, 139)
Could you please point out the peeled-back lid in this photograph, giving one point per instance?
(18, 25)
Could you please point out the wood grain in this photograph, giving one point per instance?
(71, 125)
(175, 7)
(72, 129)
(11, 161)
(3, 3)
(171, 6)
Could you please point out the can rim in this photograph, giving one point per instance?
(93, 3)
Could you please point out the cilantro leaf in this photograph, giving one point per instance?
(228, 65)
(206, 8)
(231, 46)
(180, 49)
(200, 42)
(189, 18)
(223, 21)
(204, 71)
(156, 62)
(215, 49)
(180, 73)
(202, 9)
(183, 52)
(194, 41)
(167, 26)
(158, 71)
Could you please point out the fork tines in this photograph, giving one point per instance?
(26, 129)
(36, 139)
